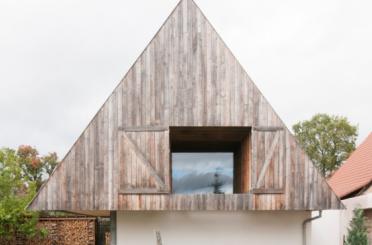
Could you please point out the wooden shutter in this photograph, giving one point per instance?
(144, 160)
(268, 158)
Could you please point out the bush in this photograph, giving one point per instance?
(357, 232)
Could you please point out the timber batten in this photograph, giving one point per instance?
(186, 77)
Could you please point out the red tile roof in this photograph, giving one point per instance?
(356, 172)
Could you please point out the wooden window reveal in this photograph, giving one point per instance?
(218, 139)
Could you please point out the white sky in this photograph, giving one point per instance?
(60, 60)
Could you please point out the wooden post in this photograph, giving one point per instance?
(113, 227)
(158, 238)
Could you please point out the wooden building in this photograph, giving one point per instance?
(185, 93)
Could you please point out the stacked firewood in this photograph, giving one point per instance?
(61, 231)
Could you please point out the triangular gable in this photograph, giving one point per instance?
(186, 76)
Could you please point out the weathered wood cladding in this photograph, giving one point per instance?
(212, 202)
(185, 77)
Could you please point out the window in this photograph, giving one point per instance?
(202, 172)
(210, 159)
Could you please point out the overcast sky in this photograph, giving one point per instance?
(202, 163)
(60, 60)
(195, 172)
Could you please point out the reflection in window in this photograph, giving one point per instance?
(202, 173)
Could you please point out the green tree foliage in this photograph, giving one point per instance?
(328, 140)
(217, 184)
(357, 232)
(16, 190)
(35, 167)
(22, 172)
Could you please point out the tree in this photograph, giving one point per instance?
(16, 191)
(37, 168)
(217, 184)
(328, 140)
(357, 232)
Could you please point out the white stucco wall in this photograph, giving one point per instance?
(217, 228)
(332, 227)
(327, 229)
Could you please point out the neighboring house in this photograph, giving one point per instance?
(185, 132)
(352, 183)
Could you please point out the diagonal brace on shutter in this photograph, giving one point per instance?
(146, 162)
(267, 160)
